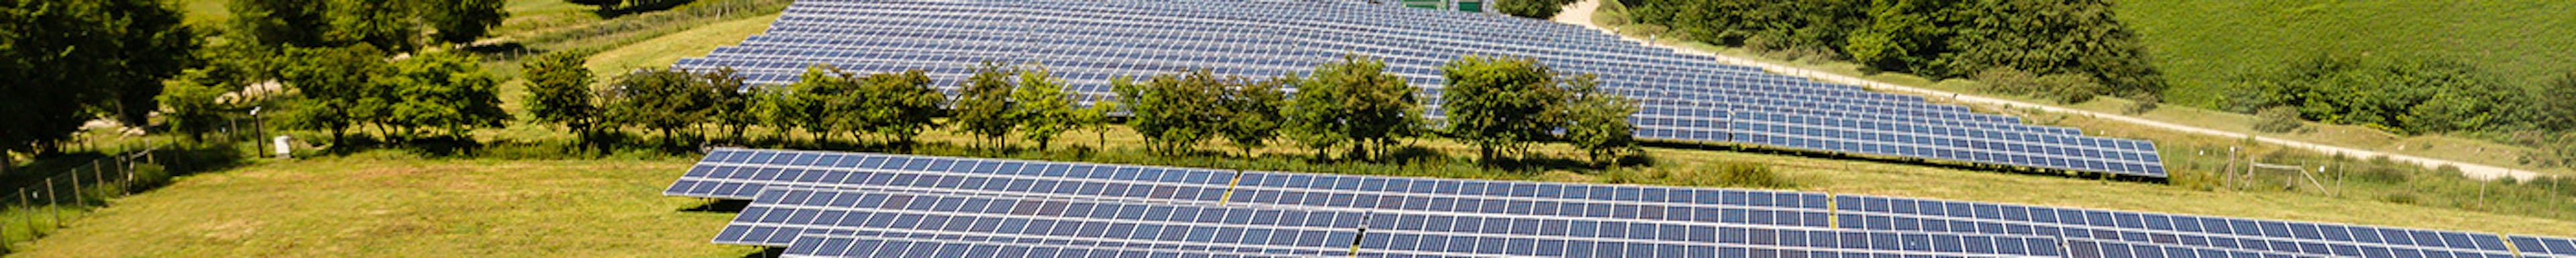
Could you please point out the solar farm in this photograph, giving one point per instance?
(830, 204)
(834, 204)
(1685, 98)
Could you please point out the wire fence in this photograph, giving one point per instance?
(39, 207)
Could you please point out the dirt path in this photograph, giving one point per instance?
(1580, 13)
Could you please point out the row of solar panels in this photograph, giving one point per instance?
(802, 198)
(1081, 41)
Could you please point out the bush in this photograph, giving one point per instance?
(2007, 80)
(1534, 9)
(2143, 103)
(1747, 174)
(2277, 120)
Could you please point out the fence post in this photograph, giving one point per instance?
(54, 201)
(28, 214)
(76, 189)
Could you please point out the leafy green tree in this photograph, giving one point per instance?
(336, 81)
(395, 25)
(441, 90)
(1500, 104)
(1533, 9)
(1252, 111)
(781, 108)
(903, 104)
(659, 99)
(1354, 101)
(192, 106)
(984, 107)
(462, 21)
(65, 62)
(1174, 112)
(559, 93)
(1597, 121)
(733, 101)
(1902, 35)
(1042, 109)
(831, 102)
(1096, 118)
(2551, 110)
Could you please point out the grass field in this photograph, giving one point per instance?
(2201, 45)
(2449, 147)
(392, 205)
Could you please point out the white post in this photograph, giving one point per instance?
(283, 152)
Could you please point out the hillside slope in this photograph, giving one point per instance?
(2203, 45)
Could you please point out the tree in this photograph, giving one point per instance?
(336, 83)
(984, 103)
(908, 104)
(733, 101)
(663, 100)
(1041, 106)
(1597, 121)
(1174, 112)
(830, 102)
(1251, 111)
(559, 92)
(394, 25)
(2550, 108)
(1096, 118)
(1533, 9)
(1500, 102)
(65, 62)
(442, 90)
(192, 106)
(462, 21)
(1354, 100)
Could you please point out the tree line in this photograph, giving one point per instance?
(2076, 45)
(2414, 96)
(333, 64)
(1352, 107)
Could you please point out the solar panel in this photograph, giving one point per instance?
(1091, 41)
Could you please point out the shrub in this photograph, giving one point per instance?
(1747, 174)
(2277, 120)
(2143, 103)
(2007, 80)
(1534, 9)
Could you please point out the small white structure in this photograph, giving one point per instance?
(283, 151)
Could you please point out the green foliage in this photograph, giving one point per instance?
(2409, 96)
(1096, 118)
(733, 101)
(2206, 46)
(1043, 109)
(64, 62)
(1354, 101)
(901, 105)
(442, 90)
(660, 99)
(1173, 111)
(1735, 173)
(193, 107)
(335, 88)
(984, 107)
(395, 25)
(1501, 102)
(1534, 9)
(821, 102)
(462, 21)
(2278, 120)
(559, 92)
(1939, 39)
(1252, 110)
(1597, 121)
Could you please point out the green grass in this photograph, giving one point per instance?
(395, 205)
(2201, 45)
(662, 51)
(2441, 146)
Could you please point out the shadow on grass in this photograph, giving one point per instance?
(639, 7)
(766, 252)
(721, 206)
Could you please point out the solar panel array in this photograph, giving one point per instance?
(829, 204)
(1684, 98)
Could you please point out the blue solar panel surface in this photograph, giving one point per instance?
(798, 194)
(1685, 98)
